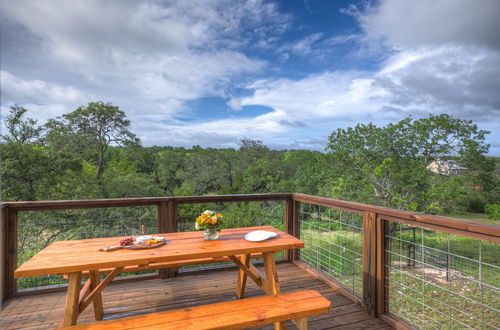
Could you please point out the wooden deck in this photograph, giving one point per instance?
(45, 311)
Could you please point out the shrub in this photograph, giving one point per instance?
(493, 211)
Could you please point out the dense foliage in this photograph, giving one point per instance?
(92, 153)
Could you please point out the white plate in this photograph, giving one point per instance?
(259, 235)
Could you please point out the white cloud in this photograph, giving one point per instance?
(448, 57)
(214, 133)
(160, 53)
(317, 96)
(151, 57)
(406, 23)
(43, 99)
(303, 46)
(462, 81)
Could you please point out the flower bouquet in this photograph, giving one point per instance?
(209, 221)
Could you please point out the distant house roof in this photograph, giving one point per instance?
(446, 167)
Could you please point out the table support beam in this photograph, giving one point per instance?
(94, 282)
(98, 289)
(242, 276)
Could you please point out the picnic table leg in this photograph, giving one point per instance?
(272, 282)
(301, 323)
(72, 299)
(242, 277)
(271, 274)
(94, 282)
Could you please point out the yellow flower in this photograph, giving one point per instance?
(208, 219)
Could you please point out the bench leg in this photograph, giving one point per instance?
(301, 323)
(242, 277)
(71, 310)
(94, 282)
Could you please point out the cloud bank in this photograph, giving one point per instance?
(152, 58)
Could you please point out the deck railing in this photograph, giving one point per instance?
(407, 268)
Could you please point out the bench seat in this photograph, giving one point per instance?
(236, 314)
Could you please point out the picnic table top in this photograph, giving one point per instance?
(63, 257)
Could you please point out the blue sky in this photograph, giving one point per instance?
(288, 73)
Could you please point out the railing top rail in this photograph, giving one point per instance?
(84, 203)
(407, 217)
(352, 206)
(140, 201)
(412, 218)
(232, 198)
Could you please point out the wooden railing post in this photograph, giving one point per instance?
(162, 215)
(381, 237)
(296, 227)
(3, 251)
(369, 262)
(172, 216)
(167, 223)
(289, 219)
(9, 261)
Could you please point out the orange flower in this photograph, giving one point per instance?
(208, 219)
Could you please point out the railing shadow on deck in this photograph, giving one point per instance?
(409, 269)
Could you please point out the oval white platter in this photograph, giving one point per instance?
(143, 247)
(259, 235)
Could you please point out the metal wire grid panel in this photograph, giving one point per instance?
(37, 229)
(236, 214)
(441, 281)
(333, 244)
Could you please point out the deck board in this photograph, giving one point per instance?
(45, 311)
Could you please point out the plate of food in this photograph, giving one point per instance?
(138, 243)
(259, 235)
(146, 244)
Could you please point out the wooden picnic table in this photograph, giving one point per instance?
(76, 256)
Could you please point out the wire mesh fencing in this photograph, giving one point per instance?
(333, 244)
(236, 215)
(437, 280)
(37, 229)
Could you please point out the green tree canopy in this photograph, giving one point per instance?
(388, 164)
(92, 130)
(20, 129)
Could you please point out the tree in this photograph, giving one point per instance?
(441, 135)
(34, 172)
(19, 129)
(168, 164)
(392, 160)
(206, 170)
(92, 130)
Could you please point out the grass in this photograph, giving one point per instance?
(424, 298)
(337, 253)
(421, 293)
(478, 217)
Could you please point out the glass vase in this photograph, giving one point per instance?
(211, 234)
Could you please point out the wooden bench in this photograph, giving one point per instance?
(173, 265)
(237, 314)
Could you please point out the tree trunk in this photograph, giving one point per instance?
(100, 171)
